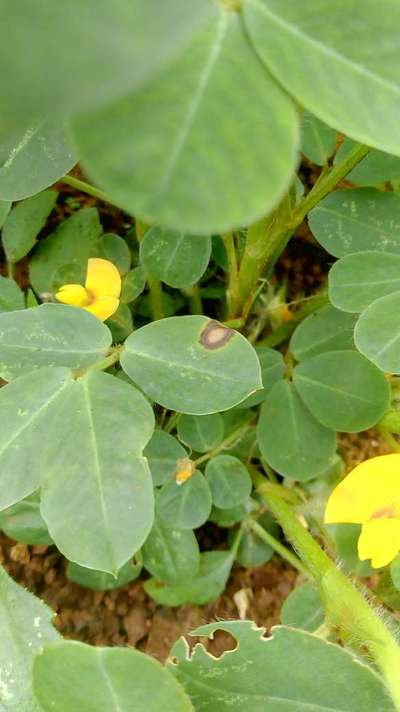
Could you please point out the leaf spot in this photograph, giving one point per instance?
(215, 336)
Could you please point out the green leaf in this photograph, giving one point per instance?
(186, 505)
(215, 567)
(201, 432)
(327, 329)
(5, 207)
(184, 161)
(357, 280)
(25, 221)
(228, 517)
(174, 257)
(318, 140)
(50, 335)
(11, 297)
(32, 157)
(25, 412)
(101, 581)
(171, 555)
(25, 627)
(303, 608)
(114, 248)
(343, 390)
(71, 243)
(229, 481)
(264, 684)
(340, 44)
(348, 221)
(377, 333)
(377, 167)
(133, 284)
(120, 323)
(23, 522)
(345, 538)
(252, 550)
(291, 440)
(192, 364)
(163, 452)
(272, 370)
(94, 473)
(73, 676)
(115, 54)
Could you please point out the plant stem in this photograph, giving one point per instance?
(156, 298)
(232, 292)
(237, 539)
(390, 439)
(267, 238)
(172, 422)
(276, 545)
(155, 286)
(228, 442)
(327, 184)
(261, 242)
(87, 188)
(193, 295)
(345, 606)
(102, 365)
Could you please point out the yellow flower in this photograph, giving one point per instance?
(370, 495)
(101, 292)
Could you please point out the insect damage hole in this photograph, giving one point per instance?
(214, 336)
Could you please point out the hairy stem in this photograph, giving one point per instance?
(267, 238)
(345, 606)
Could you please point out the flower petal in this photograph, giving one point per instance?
(371, 489)
(102, 278)
(103, 308)
(73, 294)
(379, 541)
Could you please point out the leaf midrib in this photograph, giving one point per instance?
(194, 104)
(326, 386)
(97, 472)
(182, 366)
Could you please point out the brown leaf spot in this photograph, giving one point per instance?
(214, 336)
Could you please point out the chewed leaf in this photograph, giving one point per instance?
(192, 364)
(71, 677)
(254, 676)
